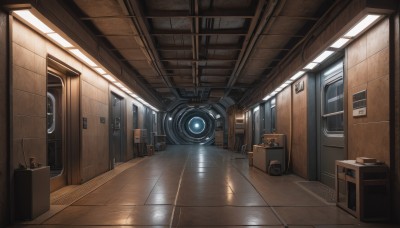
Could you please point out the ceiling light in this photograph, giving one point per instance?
(310, 66)
(119, 85)
(60, 40)
(83, 57)
(256, 109)
(109, 77)
(170, 118)
(363, 24)
(31, 19)
(340, 43)
(289, 81)
(126, 90)
(267, 97)
(273, 94)
(297, 75)
(324, 55)
(278, 90)
(99, 70)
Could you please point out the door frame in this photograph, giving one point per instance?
(72, 120)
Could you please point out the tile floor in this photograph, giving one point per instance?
(198, 186)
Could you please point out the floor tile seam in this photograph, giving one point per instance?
(177, 191)
(281, 220)
(96, 182)
(313, 194)
(152, 189)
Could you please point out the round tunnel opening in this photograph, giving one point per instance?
(196, 125)
(191, 125)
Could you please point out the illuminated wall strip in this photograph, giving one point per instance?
(338, 44)
(28, 17)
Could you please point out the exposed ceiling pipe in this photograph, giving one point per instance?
(319, 26)
(141, 26)
(252, 37)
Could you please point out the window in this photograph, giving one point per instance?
(51, 113)
(333, 106)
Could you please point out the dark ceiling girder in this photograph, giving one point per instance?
(215, 32)
(201, 67)
(139, 21)
(189, 48)
(204, 14)
(197, 60)
(251, 38)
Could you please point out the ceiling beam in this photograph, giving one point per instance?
(198, 60)
(189, 48)
(255, 28)
(215, 32)
(134, 8)
(204, 14)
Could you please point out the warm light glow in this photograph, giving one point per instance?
(324, 55)
(267, 97)
(99, 70)
(60, 40)
(83, 57)
(109, 77)
(126, 90)
(277, 90)
(310, 66)
(363, 24)
(297, 75)
(284, 85)
(119, 85)
(340, 43)
(31, 19)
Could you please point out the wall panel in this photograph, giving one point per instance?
(368, 68)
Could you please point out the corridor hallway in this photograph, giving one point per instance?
(192, 186)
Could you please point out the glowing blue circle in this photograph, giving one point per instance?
(196, 125)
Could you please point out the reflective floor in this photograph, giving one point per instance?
(198, 186)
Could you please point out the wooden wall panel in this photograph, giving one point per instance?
(368, 68)
(283, 109)
(299, 127)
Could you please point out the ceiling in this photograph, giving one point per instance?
(200, 51)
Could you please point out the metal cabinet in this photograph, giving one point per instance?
(262, 156)
(32, 192)
(363, 190)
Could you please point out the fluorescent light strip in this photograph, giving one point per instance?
(297, 75)
(99, 70)
(363, 24)
(118, 84)
(267, 97)
(310, 66)
(33, 20)
(340, 43)
(324, 55)
(83, 57)
(60, 40)
(109, 77)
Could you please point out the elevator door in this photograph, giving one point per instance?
(116, 124)
(331, 122)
